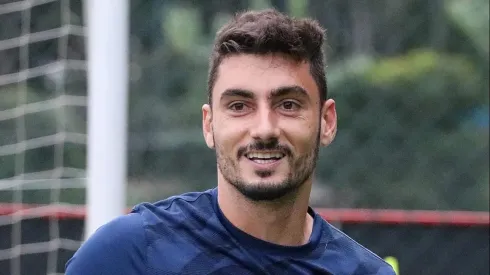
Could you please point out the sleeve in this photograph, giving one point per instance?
(118, 247)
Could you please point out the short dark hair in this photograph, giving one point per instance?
(271, 32)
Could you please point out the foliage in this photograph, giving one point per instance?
(405, 124)
(472, 18)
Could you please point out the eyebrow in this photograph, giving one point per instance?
(288, 90)
(234, 92)
(277, 92)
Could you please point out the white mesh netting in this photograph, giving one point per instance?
(42, 132)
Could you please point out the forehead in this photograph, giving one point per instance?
(261, 74)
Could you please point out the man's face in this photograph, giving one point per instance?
(266, 124)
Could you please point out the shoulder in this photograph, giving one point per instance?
(356, 255)
(176, 209)
(117, 247)
(122, 245)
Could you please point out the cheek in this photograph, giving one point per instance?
(227, 135)
(302, 136)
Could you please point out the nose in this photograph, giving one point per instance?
(265, 126)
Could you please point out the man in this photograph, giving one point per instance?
(267, 115)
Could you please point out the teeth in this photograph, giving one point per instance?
(257, 155)
(262, 161)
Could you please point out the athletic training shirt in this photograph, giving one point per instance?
(188, 234)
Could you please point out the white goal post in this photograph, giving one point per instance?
(107, 23)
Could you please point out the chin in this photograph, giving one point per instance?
(265, 190)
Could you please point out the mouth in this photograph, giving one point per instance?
(265, 157)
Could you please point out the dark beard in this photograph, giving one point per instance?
(301, 169)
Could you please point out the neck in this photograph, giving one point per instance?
(284, 222)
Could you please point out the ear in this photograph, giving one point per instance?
(207, 125)
(328, 125)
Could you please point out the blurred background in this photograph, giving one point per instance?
(410, 79)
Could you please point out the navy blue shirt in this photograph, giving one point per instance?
(188, 234)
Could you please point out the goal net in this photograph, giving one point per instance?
(43, 111)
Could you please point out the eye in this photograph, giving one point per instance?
(289, 105)
(238, 107)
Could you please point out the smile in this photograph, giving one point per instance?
(264, 157)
